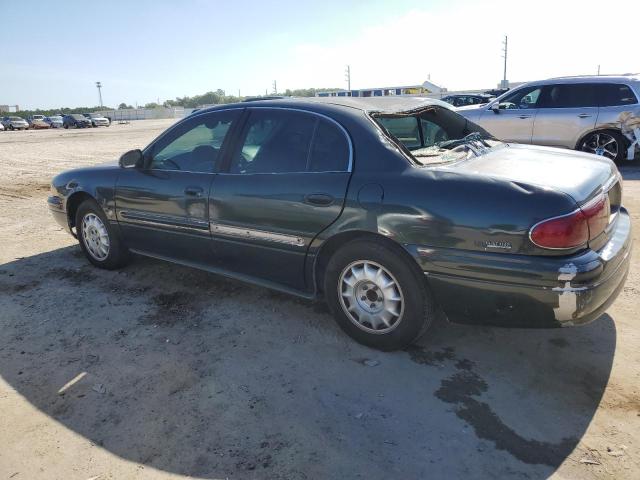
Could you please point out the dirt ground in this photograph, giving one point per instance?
(160, 371)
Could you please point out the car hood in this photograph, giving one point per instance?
(578, 174)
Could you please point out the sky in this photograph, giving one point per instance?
(145, 50)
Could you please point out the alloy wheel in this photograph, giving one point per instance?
(601, 144)
(95, 237)
(371, 297)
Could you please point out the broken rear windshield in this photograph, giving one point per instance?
(429, 134)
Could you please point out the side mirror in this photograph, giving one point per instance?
(131, 159)
(495, 107)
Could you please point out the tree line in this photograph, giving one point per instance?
(210, 98)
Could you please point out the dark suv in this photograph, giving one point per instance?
(75, 120)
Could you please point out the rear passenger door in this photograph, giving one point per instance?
(285, 182)
(565, 113)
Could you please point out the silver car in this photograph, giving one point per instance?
(15, 123)
(55, 121)
(98, 120)
(597, 114)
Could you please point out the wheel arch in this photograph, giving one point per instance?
(600, 129)
(73, 202)
(334, 243)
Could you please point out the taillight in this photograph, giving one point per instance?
(574, 229)
(597, 213)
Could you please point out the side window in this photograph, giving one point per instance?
(330, 149)
(274, 141)
(432, 133)
(577, 95)
(521, 99)
(615, 94)
(194, 146)
(404, 129)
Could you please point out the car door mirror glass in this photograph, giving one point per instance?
(131, 159)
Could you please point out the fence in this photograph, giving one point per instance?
(128, 114)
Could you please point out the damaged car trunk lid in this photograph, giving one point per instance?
(452, 144)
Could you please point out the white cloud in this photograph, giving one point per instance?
(460, 47)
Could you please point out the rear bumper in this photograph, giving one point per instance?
(528, 291)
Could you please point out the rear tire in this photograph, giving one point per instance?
(377, 296)
(98, 239)
(607, 143)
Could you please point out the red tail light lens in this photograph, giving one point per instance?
(597, 213)
(575, 229)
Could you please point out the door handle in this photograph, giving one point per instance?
(193, 191)
(584, 115)
(319, 199)
(524, 116)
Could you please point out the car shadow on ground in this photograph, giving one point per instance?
(194, 374)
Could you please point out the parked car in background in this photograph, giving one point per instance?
(75, 120)
(54, 121)
(1, 127)
(461, 100)
(385, 207)
(31, 118)
(97, 119)
(15, 123)
(583, 113)
(37, 122)
(496, 92)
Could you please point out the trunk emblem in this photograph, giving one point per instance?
(501, 244)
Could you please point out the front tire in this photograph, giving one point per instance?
(98, 239)
(377, 296)
(607, 143)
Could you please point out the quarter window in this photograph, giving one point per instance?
(614, 94)
(330, 150)
(194, 146)
(275, 141)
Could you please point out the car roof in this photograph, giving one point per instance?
(388, 105)
(589, 79)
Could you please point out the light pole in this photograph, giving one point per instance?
(99, 85)
(504, 51)
(347, 77)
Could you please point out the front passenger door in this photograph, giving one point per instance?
(513, 121)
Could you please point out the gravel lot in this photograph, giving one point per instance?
(159, 371)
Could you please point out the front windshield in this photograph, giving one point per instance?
(436, 134)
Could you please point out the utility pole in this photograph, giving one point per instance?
(99, 85)
(504, 55)
(347, 76)
(598, 70)
(275, 88)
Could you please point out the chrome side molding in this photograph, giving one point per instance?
(239, 232)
